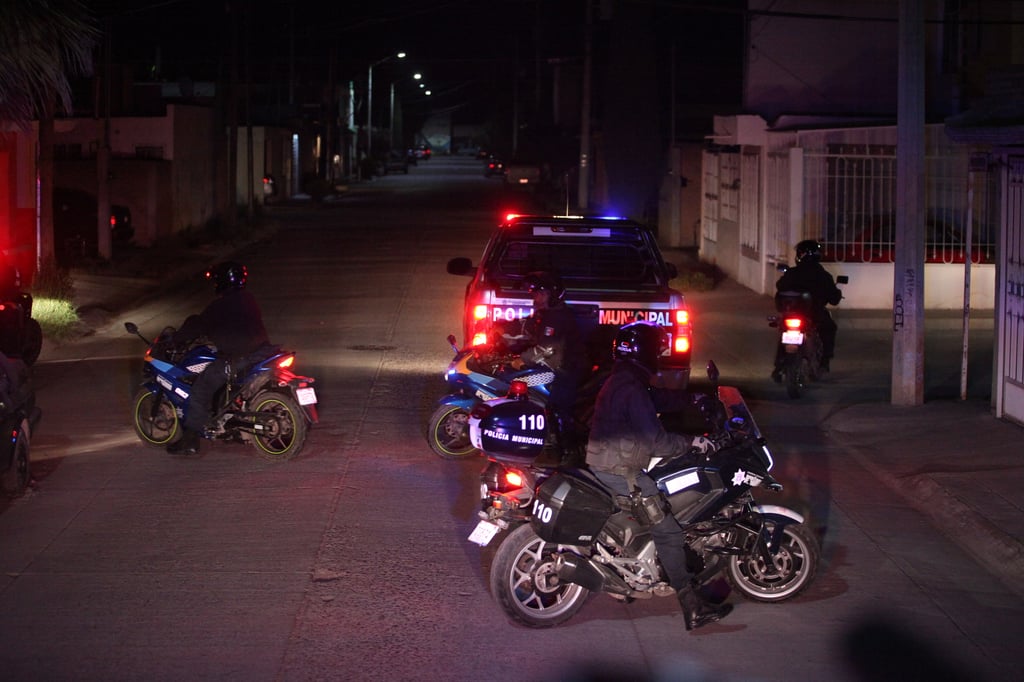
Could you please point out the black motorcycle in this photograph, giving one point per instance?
(20, 334)
(19, 416)
(799, 342)
(581, 537)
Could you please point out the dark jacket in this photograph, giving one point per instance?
(625, 432)
(809, 276)
(233, 322)
(556, 339)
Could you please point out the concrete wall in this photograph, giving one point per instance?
(871, 285)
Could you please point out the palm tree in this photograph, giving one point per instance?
(43, 43)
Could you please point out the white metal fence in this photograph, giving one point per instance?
(850, 204)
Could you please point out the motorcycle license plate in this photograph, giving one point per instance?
(790, 338)
(484, 532)
(306, 396)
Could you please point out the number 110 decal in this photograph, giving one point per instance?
(531, 422)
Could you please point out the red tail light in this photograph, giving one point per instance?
(514, 478)
(793, 323)
(518, 390)
(113, 220)
(286, 362)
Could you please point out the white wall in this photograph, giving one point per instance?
(871, 285)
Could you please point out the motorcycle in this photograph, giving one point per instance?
(480, 373)
(19, 416)
(263, 403)
(799, 340)
(20, 334)
(580, 537)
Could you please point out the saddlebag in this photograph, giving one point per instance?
(570, 510)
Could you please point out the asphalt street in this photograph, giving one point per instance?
(351, 562)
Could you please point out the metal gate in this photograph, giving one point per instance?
(1010, 293)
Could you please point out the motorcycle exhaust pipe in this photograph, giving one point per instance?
(585, 573)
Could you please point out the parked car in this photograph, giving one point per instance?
(74, 225)
(494, 167)
(397, 162)
(613, 272)
(523, 172)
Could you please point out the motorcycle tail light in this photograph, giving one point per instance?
(518, 390)
(513, 478)
(793, 322)
(286, 362)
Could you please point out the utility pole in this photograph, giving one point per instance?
(104, 247)
(908, 271)
(583, 190)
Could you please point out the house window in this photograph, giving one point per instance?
(149, 152)
(67, 151)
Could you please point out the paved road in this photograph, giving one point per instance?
(351, 563)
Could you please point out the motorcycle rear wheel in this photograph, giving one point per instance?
(14, 480)
(795, 562)
(155, 419)
(797, 372)
(448, 433)
(524, 582)
(32, 343)
(284, 426)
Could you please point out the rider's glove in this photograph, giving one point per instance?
(702, 445)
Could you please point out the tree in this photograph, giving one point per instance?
(43, 44)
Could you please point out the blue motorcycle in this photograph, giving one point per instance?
(480, 373)
(474, 375)
(263, 403)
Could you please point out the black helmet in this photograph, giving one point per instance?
(227, 275)
(808, 247)
(545, 281)
(643, 342)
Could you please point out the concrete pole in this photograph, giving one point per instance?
(908, 273)
(583, 179)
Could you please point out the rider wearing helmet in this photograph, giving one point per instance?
(553, 334)
(233, 323)
(808, 276)
(626, 433)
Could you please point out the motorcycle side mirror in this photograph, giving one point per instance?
(712, 371)
(131, 327)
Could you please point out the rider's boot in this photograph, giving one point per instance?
(698, 612)
(187, 445)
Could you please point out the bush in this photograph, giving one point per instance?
(700, 276)
(53, 281)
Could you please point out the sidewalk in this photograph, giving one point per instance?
(952, 460)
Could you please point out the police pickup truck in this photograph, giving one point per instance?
(611, 268)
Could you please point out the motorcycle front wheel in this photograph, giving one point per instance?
(15, 478)
(155, 419)
(794, 563)
(448, 433)
(280, 430)
(524, 582)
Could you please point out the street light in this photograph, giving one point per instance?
(416, 77)
(369, 100)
